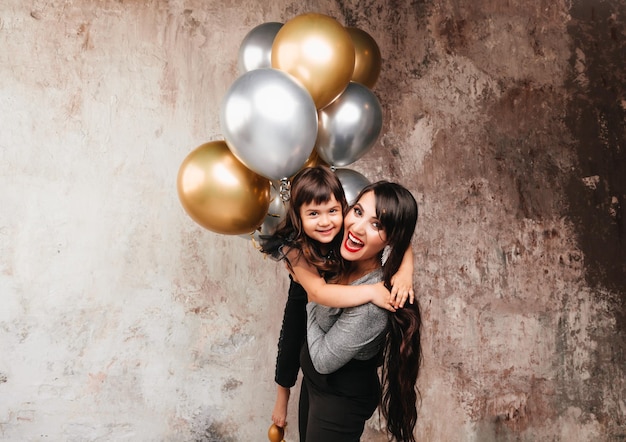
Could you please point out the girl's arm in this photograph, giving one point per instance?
(279, 415)
(335, 295)
(402, 281)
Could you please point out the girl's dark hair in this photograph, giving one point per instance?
(396, 210)
(310, 185)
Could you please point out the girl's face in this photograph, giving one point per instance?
(322, 222)
(363, 237)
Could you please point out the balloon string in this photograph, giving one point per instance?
(285, 189)
(255, 243)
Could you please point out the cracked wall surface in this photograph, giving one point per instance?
(122, 319)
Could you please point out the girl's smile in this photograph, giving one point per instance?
(323, 221)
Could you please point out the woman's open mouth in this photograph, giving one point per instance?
(352, 243)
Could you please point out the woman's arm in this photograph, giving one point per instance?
(335, 295)
(355, 329)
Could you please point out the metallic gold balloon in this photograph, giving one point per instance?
(275, 433)
(314, 160)
(221, 194)
(318, 51)
(368, 61)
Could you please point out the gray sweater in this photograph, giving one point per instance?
(335, 335)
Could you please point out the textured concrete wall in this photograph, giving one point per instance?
(121, 319)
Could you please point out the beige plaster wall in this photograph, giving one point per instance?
(121, 319)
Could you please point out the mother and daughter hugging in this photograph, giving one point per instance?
(351, 271)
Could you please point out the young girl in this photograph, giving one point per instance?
(311, 231)
(341, 388)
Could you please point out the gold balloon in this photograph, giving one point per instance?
(221, 194)
(367, 62)
(314, 160)
(275, 433)
(318, 51)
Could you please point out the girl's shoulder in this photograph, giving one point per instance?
(277, 247)
(290, 253)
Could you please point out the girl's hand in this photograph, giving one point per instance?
(279, 415)
(402, 281)
(401, 290)
(381, 297)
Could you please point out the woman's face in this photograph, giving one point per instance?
(363, 237)
(322, 222)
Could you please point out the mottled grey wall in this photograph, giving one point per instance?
(121, 319)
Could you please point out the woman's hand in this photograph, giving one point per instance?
(381, 297)
(401, 290)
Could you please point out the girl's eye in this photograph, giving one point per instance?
(312, 213)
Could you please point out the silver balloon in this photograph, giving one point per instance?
(352, 182)
(275, 215)
(349, 126)
(269, 122)
(255, 51)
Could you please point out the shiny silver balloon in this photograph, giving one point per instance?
(352, 182)
(349, 126)
(275, 215)
(269, 122)
(255, 51)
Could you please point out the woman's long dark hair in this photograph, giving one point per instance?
(396, 210)
(310, 185)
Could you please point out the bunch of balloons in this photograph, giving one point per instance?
(303, 98)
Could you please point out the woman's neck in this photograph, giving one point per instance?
(362, 268)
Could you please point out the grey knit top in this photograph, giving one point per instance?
(335, 335)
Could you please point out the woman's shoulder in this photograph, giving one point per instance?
(369, 278)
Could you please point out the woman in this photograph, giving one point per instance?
(341, 388)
